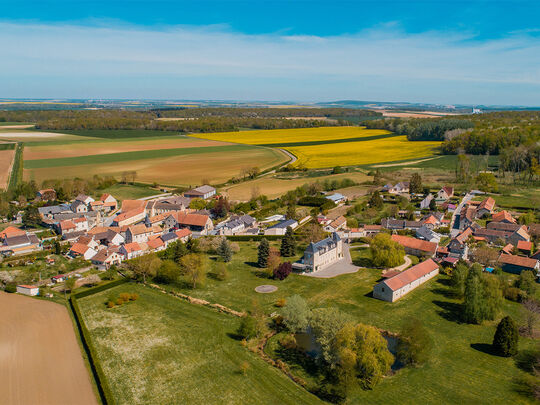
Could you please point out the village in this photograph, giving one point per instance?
(443, 230)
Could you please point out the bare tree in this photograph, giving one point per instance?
(532, 311)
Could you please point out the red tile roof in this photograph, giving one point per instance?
(11, 231)
(191, 219)
(128, 205)
(129, 214)
(412, 274)
(181, 233)
(524, 245)
(413, 243)
(463, 236)
(132, 247)
(503, 216)
(155, 243)
(488, 204)
(139, 229)
(79, 248)
(508, 248)
(518, 261)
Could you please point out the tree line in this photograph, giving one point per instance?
(421, 129)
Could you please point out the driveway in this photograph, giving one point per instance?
(344, 266)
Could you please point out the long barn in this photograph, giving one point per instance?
(403, 283)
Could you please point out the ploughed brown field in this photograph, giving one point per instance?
(100, 147)
(6, 160)
(40, 359)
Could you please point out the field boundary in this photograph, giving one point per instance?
(16, 172)
(104, 390)
(329, 141)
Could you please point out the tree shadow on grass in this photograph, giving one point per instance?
(484, 348)
(525, 360)
(252, 264)
(444, 281)
(446, 292)
(299, 358)
(362, 262)
(235, 336)
(450, 311)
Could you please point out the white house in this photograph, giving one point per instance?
(445, 193)
(337, 224)
(321, 254)
(138, 233)
(31, 290)
(403, 283)
(401, 187)
(84, 251)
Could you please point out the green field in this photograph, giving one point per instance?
(160, 350)
(117, 133)
(128, 191)
(459, 371)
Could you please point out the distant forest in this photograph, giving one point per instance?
(191, 120)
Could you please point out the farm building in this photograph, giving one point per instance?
(31, 290)
(130, 217)
(47, 194)
(105, 258)
(485, 207)
(503, 216)
(281, 227)
(337, 198)
(516, 264)
(403, 283)
(203, 192)
(415, 246)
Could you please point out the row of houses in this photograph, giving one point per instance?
(15, 241)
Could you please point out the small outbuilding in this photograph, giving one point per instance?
(31, 290)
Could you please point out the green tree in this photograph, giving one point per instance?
(385, 252)
(248, 327)
(221, 271)
(433, 205)
(375, 200)
(262, 253)
(70, 284)
(527, 282)
(57, 248)
(288, 244)
(168, 272)
(325, 324)
(31, 217)
(197, 204)
(415, 184)
(194, 269)
(296, 314)
(473, 311)
(179, 251)
(459, 275)
(414, 343)
(224, 250)
(362, 355)
(487, 182)
(505, 341)
(144, 266)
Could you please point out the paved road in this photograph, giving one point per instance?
(454, 227)
(402, 267)
(344, 266)
(155, 196)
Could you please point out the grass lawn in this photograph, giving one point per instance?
(161, 350)
(459, 371)
(128, 191)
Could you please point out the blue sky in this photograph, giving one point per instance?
(474, 52)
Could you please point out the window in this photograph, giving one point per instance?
(382, 289)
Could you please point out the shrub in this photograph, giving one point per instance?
(110, 304)
(514, 294)
(10, 288)
(125, 297)
(134, 297)
(281, 302)
(288, 341)
(119, 301)
(283, 270)
(248, 327)
(505, 341)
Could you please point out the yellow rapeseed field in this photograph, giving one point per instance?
(362, 153)
(355, 152)
(280, 136)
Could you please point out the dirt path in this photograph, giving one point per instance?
(407, 163)
(40, 359)
(7, 157)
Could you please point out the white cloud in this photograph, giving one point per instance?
(381, 55)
